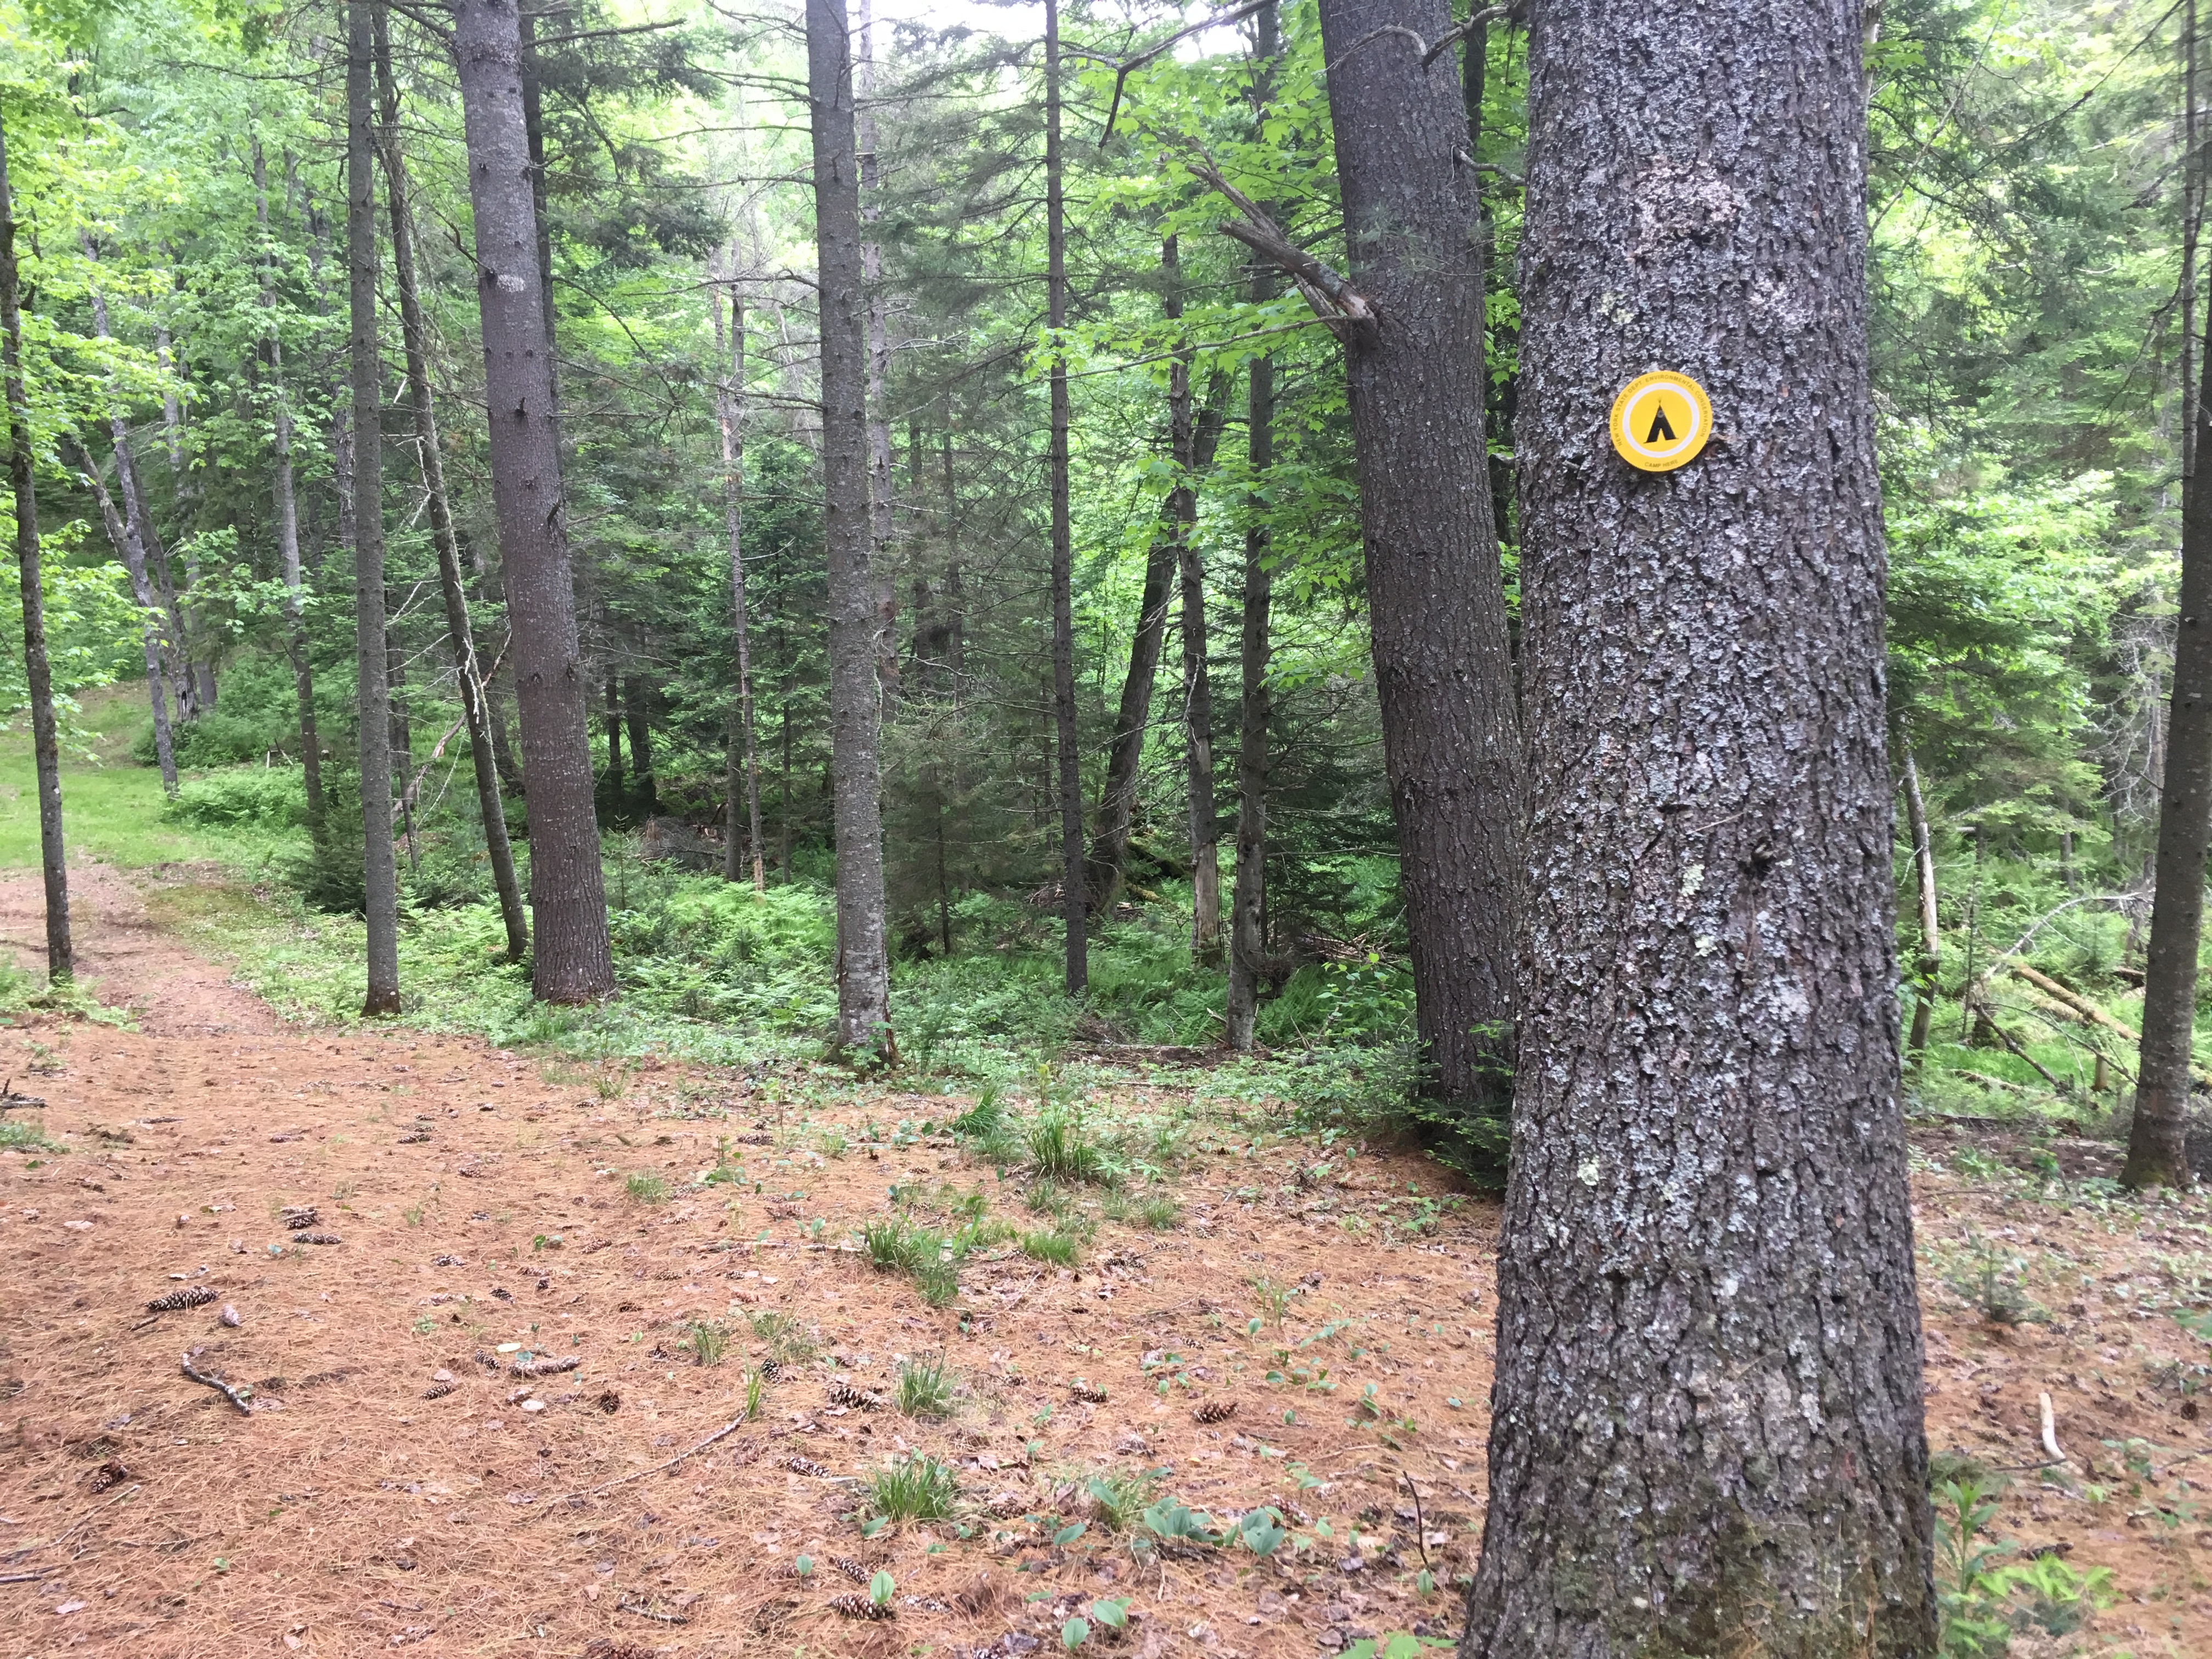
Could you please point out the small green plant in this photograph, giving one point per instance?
(1060, 1150)
(1993, 1283)
(707, 1340)
(1273, 1297)
(25, 1137)
(916, 1487)
(926, 1387)
(1176, 1524)
(881, 1587)
(786, 1339)
(647, 1188)
(1261, 1532)
(1981, 1597)
(1120, 1497)
(892, 1244)
(1158, 1211)
(1056, 1247)
(939, 1281)
(756, 1394)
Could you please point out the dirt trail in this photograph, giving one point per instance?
(479, 1198)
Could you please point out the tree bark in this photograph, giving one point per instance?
(1192, 443)
(572, 960)
(285, 502)
(134, 561)
(1924, 868)
(880, 529)
(22, 479)
(474, 710)
(1075, 905)
(864, 1015)
(1248, 899)
(2192, 218)
(2158, 1149)
(637, 715)
(381, 877)
(1436, 593)
(1706, 1431)
(743, 747)
(616, 783)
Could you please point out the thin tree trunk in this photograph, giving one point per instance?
(180, 493)
(879, 364)
(572, 960)
(1451, 744)
(617, 784)
(1706, 1429)
(381, 877)
(415, 335)
(1197, 684)
(1193, 444)
(45, 743)
(637, 714)
(864, 1014)
(1923, 866)
(1075, 905)
(2192, 217)
(134, 561)
(743, 749)
(287, 507)
(1247, 898)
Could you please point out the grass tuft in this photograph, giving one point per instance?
(1055, 1247)
(926, 1387)
(647, 1188)
(915, 1488)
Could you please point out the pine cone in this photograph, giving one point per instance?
(852, 1569)
(546, 1365)
(315, 1239)
(1087, 1392)
(609, 1401)
(439, 1390)
(1215, 1411)
(420, 1137)
(804, 1466)
(198, 1297)
(777, 1370)
(843, 1393)
(301, 1215)
(858, 1606)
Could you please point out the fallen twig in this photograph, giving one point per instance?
(1420, 1524)
(2050, 1429)
(643, 1608)
(727, 1429)
(241, 1397)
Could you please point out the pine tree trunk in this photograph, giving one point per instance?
(864, 1014)
(134, 562)
(2158, 1149)
(381, 877)
(618, 784)
(1924, 868)
(474, 710)
(2192, 218)
(572, 960)
(637, 714)
(1451, 744)
(1192, 442)
(1247, 898)
(286, 508)
(45, 743)
(743, 748)
(1198, 759)
(1075, 905)
(1706, 1431)
(880, 530)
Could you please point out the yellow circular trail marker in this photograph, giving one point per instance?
(1661, 421)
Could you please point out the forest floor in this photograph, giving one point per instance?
(485, 1205)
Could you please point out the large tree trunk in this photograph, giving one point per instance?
(414, 335)
(1705, 1432)
(287, 507)
(864, 1013)
(134, 562)
(880, 529)
(45, 743)
(1247, 900)
(2158, 1151)
(1436, 595)
(1192, 442)
(572, 962)
(739, 832)
(1075, 905)
(381, 878)
(1924, 868)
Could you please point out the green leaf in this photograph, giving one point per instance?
(1069, 1534)
(1074, 1632)
(803, 1565)
(1113, 1613)
(880, 1587)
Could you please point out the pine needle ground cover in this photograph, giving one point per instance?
(414, 1469)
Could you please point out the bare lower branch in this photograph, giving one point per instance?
(1333, 299)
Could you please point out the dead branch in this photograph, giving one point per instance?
(240, 1397)
(1333, 299)
(1429, 53)
(727, 1429)
(1127, 65)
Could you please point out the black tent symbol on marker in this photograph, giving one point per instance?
(1661, 426)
